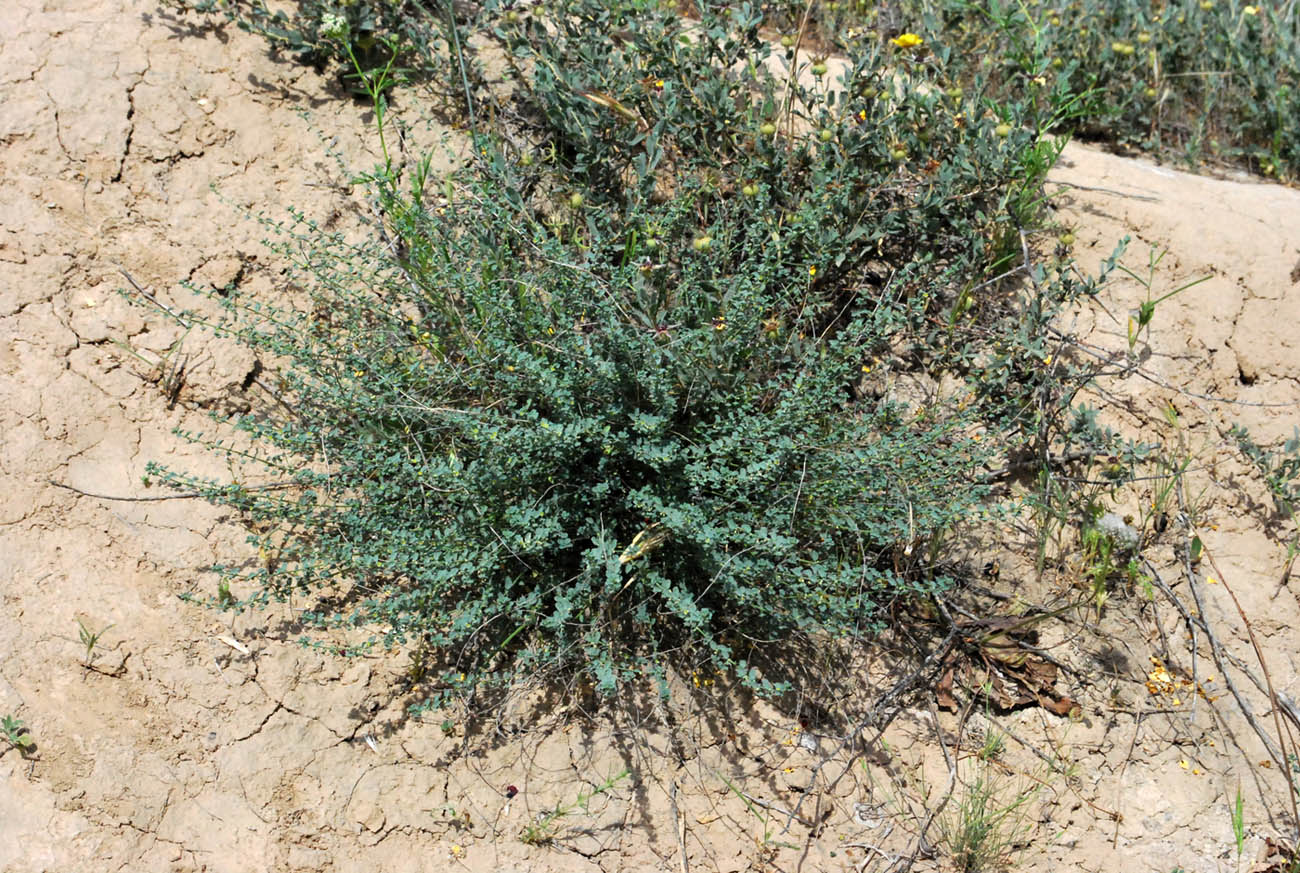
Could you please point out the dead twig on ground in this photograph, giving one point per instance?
(1217, 653)
(680, 830)
(1282, 736)
(880, 715)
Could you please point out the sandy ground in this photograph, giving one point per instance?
(201, 743)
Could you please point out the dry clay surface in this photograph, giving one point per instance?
(201, 743)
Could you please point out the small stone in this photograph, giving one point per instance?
(369, 816)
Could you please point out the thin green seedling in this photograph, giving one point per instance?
(376, 82)
(994, 745)
(90, 639)
(1147, 309)
(17, 735)
(545, 830)
(225, 597)
(1239, 825)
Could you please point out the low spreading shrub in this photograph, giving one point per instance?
(619, 394)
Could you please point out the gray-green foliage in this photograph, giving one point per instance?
(1281, 470)
(598, 411)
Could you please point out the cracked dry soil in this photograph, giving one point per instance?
(197, 743)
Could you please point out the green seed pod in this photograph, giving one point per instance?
(767, 129)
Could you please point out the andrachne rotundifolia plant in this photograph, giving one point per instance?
(601, 401)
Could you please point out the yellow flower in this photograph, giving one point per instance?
(907, 41)
(812, 271)
(1250, 10)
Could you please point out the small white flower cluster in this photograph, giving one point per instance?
(333, 25)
